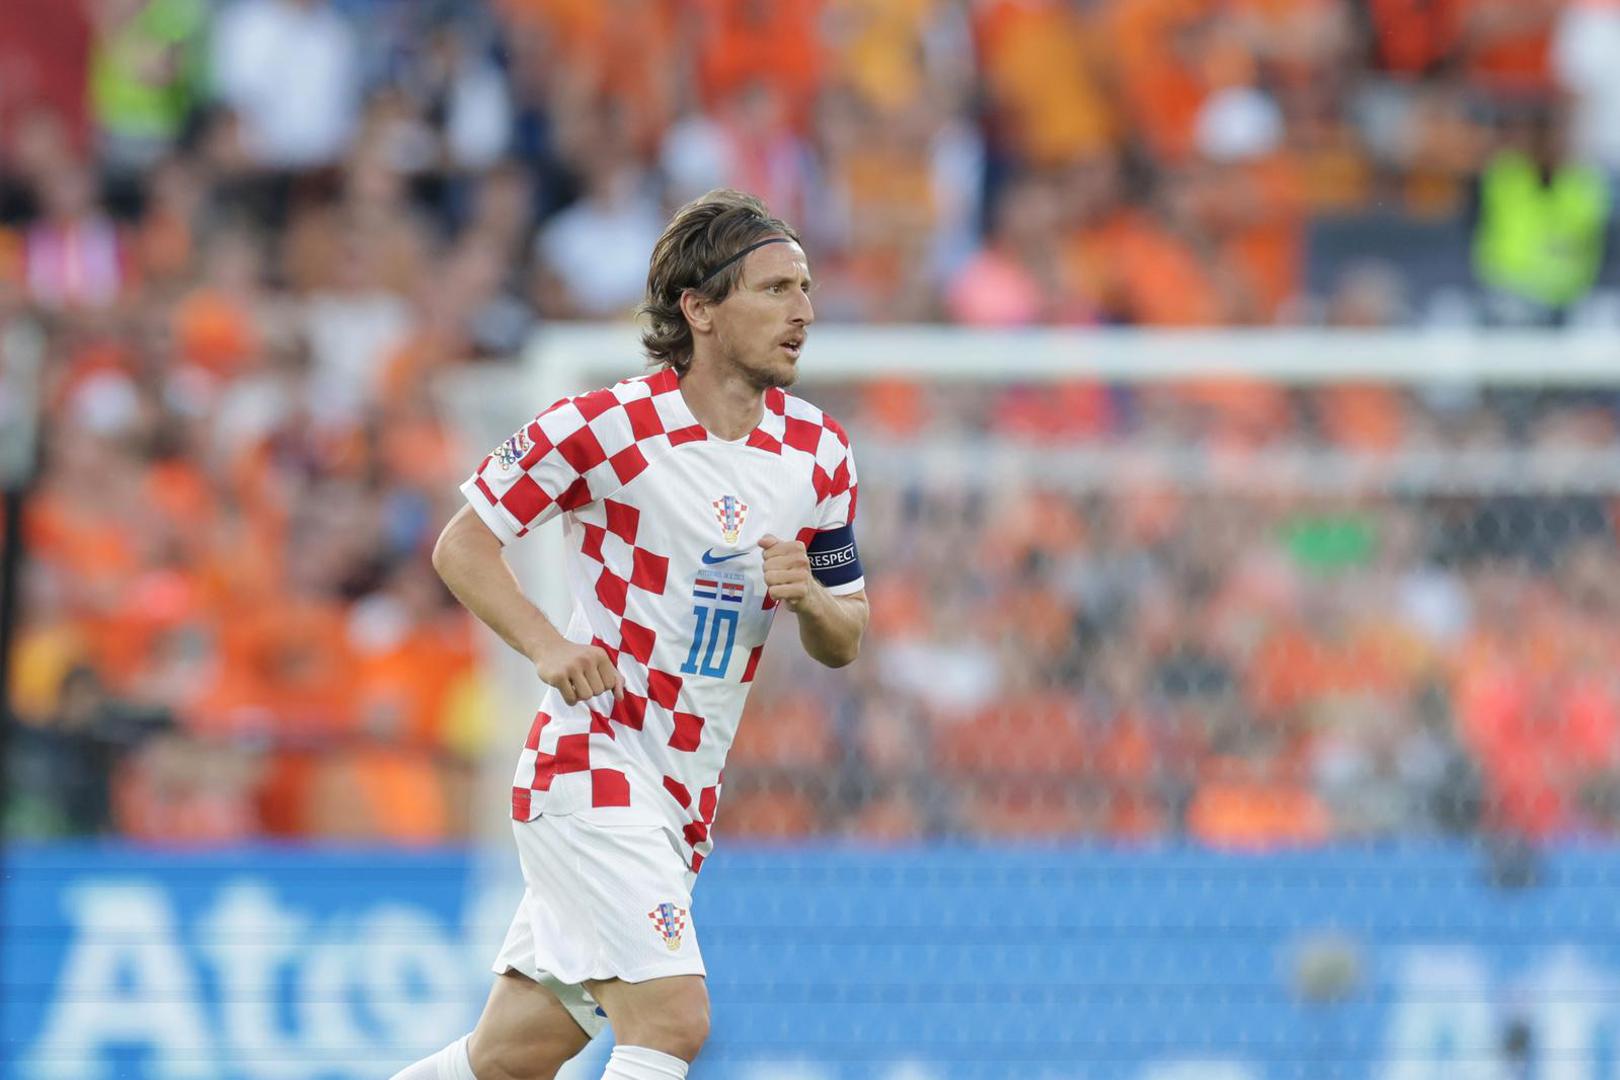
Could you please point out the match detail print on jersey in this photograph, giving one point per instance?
(661, 526)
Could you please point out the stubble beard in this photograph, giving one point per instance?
(762, 375)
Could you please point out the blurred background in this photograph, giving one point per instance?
(1238, 499)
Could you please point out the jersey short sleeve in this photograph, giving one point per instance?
(835, 480)
(834, 559)
(556, 462)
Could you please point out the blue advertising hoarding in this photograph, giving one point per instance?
(827, 964)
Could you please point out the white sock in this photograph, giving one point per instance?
(640, 1063)
(451, 1063)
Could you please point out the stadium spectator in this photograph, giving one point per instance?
(45, 48)
(742, 42)
(355, 312)
(1503, 45)
(1411, 38)
(1369, 295)
(61, 765)
(289, 124)
(1044, 75)
(1584, 46)
(1017, 278)
(73, 254)
(145, 77)
(1252, 801)
(592, 260)
(464, 101)
(1543, 223)
(177, 791)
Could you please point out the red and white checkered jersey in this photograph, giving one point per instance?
(661, 523)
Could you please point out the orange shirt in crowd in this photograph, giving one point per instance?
(622, 51)
(286, 670)
(216, 332)
(1128, 761)
(1294, 667)
(1025, 767)
(1238, 413)
(894, 405)
(1032, 734)
(1364, 417)
(1266, 244)
(1411, 37)
(1248, 807)
(99, 563)
(377, 793)
(880, 51)
(1158, 278)
(1070, 409)
(781, 810)
(1504, 44)
(173, 791)
(1161, 81)
(404, 691)
(770, 41)
(795, 732)
(1539, 722)
(1507, 725)
(892, 211)
(1040, 67)
(1507, 44)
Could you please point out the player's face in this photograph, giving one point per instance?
(761, 326)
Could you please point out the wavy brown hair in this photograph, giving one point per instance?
(703, 235)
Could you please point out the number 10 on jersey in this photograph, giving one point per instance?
(715, 631)
(719, 626)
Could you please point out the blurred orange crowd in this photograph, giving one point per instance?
(251, 290)
(1171, 654)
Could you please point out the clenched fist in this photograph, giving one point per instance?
(787, 571)
(580, 672)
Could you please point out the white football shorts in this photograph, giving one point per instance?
(599, 902)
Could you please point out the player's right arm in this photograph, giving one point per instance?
(544, 469)
(468, 558)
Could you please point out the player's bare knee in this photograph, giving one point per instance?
(509, 1053)
(497, 1059)
(681, 1039)
(680, 1029)
(524, 1033)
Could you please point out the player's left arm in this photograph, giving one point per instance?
(830, 626)
(818, 576)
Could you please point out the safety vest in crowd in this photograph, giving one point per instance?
(1543, 242)
(133, 96)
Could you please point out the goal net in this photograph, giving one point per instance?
(1236, 706)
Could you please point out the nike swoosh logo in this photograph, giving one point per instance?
(710, 560)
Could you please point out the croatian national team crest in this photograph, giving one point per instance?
(669, 921)
(730, 512)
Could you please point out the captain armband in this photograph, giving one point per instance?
(833, 558)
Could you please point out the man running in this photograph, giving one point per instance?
(696, 502)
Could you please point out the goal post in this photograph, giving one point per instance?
(576, 354)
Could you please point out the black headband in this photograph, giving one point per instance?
(740, 254)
